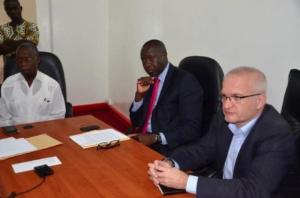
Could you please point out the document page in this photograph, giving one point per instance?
(10, 147)
(93, 138)
(27, 166)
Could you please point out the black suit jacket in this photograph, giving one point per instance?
(177, 113)
(264, 159)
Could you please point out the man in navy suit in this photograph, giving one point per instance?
(176, 117)
(250, 142)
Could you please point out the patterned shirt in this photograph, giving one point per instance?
(25, 31)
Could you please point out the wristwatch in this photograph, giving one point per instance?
(157, 138)
(169, 161)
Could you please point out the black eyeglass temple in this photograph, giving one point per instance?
(250, 95)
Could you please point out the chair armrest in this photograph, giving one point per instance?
(69, 110)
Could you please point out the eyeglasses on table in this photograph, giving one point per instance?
(107, 145)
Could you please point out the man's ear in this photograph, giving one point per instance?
(261, 100)
(38, 61)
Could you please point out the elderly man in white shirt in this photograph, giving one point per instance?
(30, 96)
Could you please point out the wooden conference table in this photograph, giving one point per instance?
(115, 172)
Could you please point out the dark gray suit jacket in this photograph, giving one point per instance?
(264, 159)
(178, 111)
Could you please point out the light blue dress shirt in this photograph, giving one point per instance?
(137, 105)
(239, 136)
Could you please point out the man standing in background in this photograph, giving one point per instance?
(17, 30)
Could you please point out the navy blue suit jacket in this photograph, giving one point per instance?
(177, 113)
(264, 159)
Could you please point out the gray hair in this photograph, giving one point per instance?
(259, 83)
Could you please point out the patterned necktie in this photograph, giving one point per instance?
(151, 105)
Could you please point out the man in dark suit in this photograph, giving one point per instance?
(176, 117)
(253, 146)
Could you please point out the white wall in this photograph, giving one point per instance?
(77, 31)
(260, 33)
(129, 28)
(102, 60)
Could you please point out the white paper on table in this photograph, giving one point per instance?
(27, 166)
(11, 147)
(6, 140)
(90, 139)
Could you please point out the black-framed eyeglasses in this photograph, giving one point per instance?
(107, 145)
(236, 99)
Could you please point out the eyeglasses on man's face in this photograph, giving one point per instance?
(236, 98)
(107, 145)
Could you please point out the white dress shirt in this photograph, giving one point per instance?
(19, 104)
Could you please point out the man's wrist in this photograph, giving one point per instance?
(157, 138)
(138, 96)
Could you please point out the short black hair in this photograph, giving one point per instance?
(6, 1)
(156, 43)
(28, 45)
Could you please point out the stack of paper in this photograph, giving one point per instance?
(93, 138)
(11, 146)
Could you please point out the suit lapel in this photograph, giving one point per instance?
(167, 83)
(226, 144)
(248, 145)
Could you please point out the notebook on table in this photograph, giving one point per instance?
(169, 191)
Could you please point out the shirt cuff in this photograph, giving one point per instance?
(191, 186)
(163, 139)
(136, 105)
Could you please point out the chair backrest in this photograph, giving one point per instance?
(50, 65)
(291, 112)
(210, 76)
(291, 107)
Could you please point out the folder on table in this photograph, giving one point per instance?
(43, 141)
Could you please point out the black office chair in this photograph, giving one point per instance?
(291, 107)
(50, 65)
(210, 76)
(291, 112)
